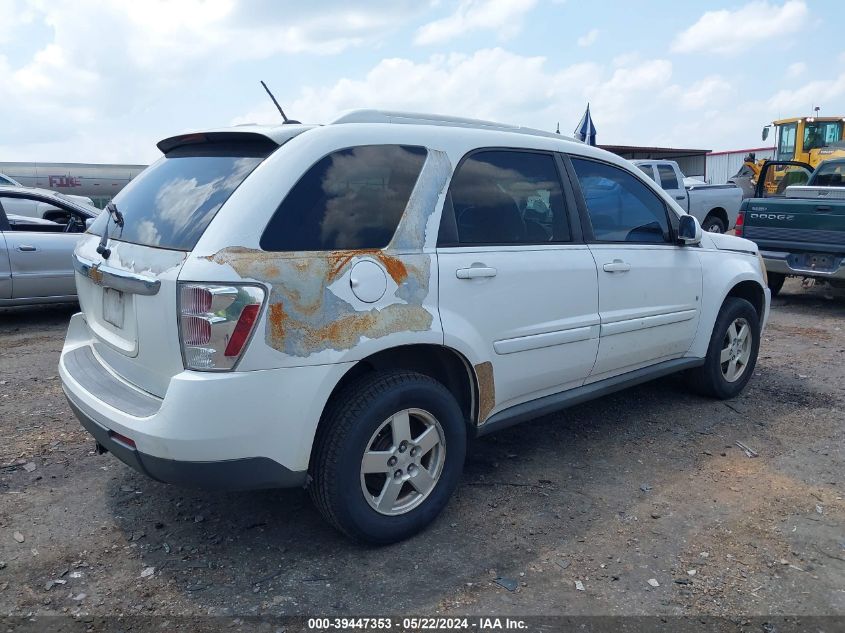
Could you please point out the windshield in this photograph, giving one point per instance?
(170, 204)
(821, 134)
(830, 175)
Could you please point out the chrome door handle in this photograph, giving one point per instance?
(617, 266)
(27, 248)
(475, 272)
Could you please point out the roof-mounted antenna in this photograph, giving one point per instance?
(282, 112)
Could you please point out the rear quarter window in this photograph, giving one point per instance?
(351, 199)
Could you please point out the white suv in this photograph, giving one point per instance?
(342, 306)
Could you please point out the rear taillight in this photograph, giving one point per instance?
(740, 223)
(216, 322)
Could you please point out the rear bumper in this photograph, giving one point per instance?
(236, 474)
(783, 263)
(231, 430)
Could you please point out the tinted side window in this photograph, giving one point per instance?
(351, 199)
(647, 170)
(620, 206)
(508, 197)
(668, 179)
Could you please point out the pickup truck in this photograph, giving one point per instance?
(714, 206)
(797, 219)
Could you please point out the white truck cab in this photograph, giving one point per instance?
(342, 306)
(714, 206)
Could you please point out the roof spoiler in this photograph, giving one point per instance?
(200, 138)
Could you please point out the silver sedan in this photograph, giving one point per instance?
(35, 252)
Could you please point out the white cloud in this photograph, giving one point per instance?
(589, 38)
(500, 85)
(824, 93)
(729, 32)
(796, 70)
(502, 16)
(703, 94)
(107, 64)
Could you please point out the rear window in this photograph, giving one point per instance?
(170, 204)
(351, 199)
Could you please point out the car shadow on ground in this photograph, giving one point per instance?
(36, 317)
(525, 491)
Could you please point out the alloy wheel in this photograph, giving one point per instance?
(403, 461)
(736, 350)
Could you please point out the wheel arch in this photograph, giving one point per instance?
(720, 213)
(751, 291)
(444, 364)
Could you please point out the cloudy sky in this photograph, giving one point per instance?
(103, 80)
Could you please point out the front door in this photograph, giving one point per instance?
(649, 287)
(517, 283)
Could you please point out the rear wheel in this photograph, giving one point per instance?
(713, 224)
(388, 456)
(732, 353)
(776, 282)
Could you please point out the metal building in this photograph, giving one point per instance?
(99, 182)
(692, 162)
(722, 165)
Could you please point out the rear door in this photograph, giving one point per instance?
(517, 283)
(649, 287)
(165, 210)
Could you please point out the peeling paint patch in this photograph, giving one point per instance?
(306, 317)
(410, 234)
(486, 390)
(394, 266)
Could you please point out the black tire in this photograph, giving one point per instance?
(350, 421)
(713, 224)
(776, 282)
(709, 379)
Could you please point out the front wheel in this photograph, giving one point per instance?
(732, 353)
(388, 456)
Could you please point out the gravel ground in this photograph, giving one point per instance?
(643, 499)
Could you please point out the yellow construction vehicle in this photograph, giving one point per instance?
(809, 140)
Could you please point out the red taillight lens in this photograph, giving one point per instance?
(216, 322)
(242, 330)
(740, 223)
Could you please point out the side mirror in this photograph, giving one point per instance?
(765, 132)
(89, 222)
(689, 231)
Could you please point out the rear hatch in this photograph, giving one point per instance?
(130, 297)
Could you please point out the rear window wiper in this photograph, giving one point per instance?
(117, 216)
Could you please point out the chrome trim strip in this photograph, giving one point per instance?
(108, 277)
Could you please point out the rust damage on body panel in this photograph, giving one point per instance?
(394, 266)
(486, 390)
(308, 311)
(305, 316)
